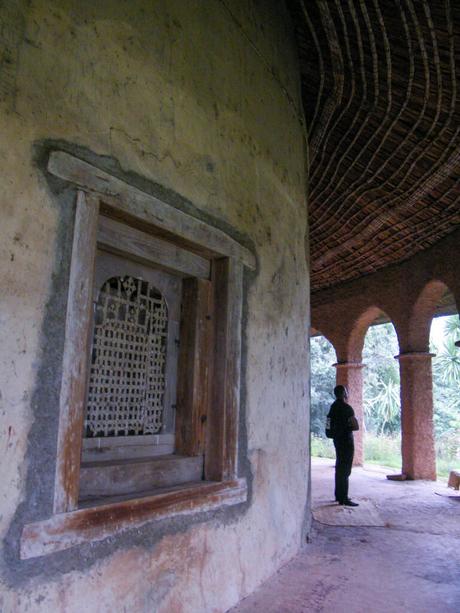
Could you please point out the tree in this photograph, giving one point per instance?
(322, 356)
(381, 386)
(381, 380)
(383, 403)
(446, 382)
(447, 361)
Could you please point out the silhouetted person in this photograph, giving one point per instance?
(342, 422)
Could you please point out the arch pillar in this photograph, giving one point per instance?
(350, 374)
(417, 432)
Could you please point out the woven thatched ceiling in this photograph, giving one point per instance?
(380, 94)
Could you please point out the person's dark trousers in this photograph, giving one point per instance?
(344, 451)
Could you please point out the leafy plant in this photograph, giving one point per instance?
(384, 407)
(447, 362)
(322, 357)
(452, 326)
(381, 380)
(446, 383)
(321, 447)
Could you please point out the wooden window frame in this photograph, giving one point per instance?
(207, 403)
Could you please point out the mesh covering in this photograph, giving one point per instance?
(127, 376)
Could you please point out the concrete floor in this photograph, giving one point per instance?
(411, 564)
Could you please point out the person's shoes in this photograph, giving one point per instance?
(349, 503)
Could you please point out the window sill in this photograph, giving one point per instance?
(129, 477)
(96, 523)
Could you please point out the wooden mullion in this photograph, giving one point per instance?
(222, 431)
(203, 364)
(232, 383)
(194, 367)
(76, 350)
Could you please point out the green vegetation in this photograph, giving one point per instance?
(382, 442)
(321, 447)
(382, 408)
(385, 450)
(446, 384)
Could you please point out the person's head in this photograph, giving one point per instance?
(340, 392)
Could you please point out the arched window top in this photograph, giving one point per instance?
(127, 374)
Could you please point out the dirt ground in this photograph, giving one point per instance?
(409, 563)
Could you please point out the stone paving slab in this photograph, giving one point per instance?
(364, 570)
(410, 566)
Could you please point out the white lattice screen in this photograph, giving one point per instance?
(127, 376)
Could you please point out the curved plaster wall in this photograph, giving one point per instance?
(200, 100)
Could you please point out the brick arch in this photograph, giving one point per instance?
(421, 315)
(327, 326)
(314, 331)
(355, 341)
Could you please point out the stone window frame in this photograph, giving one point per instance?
(101, 194)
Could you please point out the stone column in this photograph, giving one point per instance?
(350, 374)
(417, 445)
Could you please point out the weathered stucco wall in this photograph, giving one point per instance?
(200, 98)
